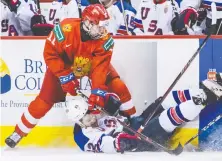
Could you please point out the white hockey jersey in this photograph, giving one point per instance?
(58, 11)
(116, 24)
(13, 24)
(97, 139)
(206, 4)
(154, 19)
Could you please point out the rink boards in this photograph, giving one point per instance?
(148, 65)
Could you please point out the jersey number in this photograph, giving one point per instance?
(51, 38)
(93, 147)
(11, 28)
(153, 23)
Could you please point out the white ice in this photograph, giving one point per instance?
(58, 154)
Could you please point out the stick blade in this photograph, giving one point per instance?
(178, 150)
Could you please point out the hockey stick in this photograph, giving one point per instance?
(148, 140)
(175, 9)
(174, 82)
(79, 8)
(38, 6)
(204, 128)
(219, 27)
(124, 17)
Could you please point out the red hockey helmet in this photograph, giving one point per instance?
(93, 18)
(95, 13)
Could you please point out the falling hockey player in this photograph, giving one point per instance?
(99, 133)
(76, 48)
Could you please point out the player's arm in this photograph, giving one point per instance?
(190, 3)
(53, 56)
(22, 11)
(53, 52)
(101, 61)
(93, 140)
(30, 20)
(183, 24)
(97, 140)
(138, 23)
(99, 71)
(72, 10)
(130, 13)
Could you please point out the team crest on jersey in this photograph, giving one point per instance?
(81, 66)
(67, 28)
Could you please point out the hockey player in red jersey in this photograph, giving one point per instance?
(71, 43)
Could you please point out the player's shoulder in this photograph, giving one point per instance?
(126, 5)
(70, 22)
(67, 27)
(107, 42)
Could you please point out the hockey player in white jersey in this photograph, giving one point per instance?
(206, 13)
(154, 17)
(64, 9)
(105, 134)
(121, 16)
(17, 19)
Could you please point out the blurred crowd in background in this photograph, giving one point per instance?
(127, 17)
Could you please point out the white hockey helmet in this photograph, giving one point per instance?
(76, 109)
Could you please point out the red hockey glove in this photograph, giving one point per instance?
(125, 142)
(98, 97)
(69, 84)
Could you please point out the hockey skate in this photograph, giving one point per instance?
(13, 139)
(200, 98)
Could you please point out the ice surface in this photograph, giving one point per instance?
(58, 154)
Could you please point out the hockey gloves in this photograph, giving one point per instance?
(182, 25)
(12, 4)
(125, 142)
(100, 98)
(39, 26)
(69, 84)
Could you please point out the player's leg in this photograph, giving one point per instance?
(51, 92)
(162, 127)
(117, 86)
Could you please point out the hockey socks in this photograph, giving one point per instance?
(176, 116)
